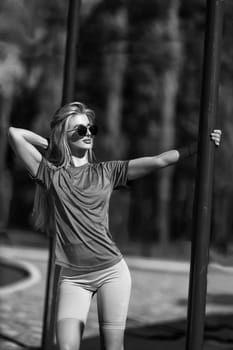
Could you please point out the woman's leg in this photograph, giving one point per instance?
(113, 300)
(73, 306)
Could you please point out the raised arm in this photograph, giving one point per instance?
(24, 144)
(142, 166)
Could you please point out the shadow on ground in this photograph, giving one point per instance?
(216, 299)
(162, 336)
(171, 335)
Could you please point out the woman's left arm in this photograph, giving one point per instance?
(140, 167)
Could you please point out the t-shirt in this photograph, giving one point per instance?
(79, 198)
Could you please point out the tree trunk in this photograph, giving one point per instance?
(115, 61)
(114, 74)
(11, 72)
(167, 127)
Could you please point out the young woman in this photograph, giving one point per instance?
(72, 200)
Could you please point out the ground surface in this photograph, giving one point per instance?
(157, 312)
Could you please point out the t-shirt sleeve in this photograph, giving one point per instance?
(118, 173)
(44, 173)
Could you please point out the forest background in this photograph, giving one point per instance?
(139, 67)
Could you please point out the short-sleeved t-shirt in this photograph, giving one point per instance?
(79, 198)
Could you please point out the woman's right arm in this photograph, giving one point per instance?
(24, 143)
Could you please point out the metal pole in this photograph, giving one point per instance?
(73, 24)
(204, 179)
(73, 20)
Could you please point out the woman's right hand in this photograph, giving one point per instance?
(216, 136)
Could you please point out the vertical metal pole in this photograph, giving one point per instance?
(204, 181)
(73, 24)
(73, 21)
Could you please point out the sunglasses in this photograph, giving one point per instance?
(81, 130)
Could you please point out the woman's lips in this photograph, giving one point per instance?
(87, 141)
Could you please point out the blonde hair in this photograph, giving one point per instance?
(59, 155)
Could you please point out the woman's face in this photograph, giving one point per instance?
(79, 136)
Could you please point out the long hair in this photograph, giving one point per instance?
(59, 154)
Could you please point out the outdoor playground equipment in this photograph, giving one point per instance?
(204, 177)
(73, 18)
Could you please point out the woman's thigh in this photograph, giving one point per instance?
(113, 300)
(72, 310)
(73, 302)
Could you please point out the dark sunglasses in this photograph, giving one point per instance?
(81, 130)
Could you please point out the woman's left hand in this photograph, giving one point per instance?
(216, 136)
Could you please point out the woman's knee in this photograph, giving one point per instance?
(68, 346)
(69, 333)
(111, 339)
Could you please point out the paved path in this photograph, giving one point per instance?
(157, 309)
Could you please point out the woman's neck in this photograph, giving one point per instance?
(78, 161)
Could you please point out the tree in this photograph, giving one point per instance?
(12, 72)
(153, 83)
(115, 65)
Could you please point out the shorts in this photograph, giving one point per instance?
(112, 287)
